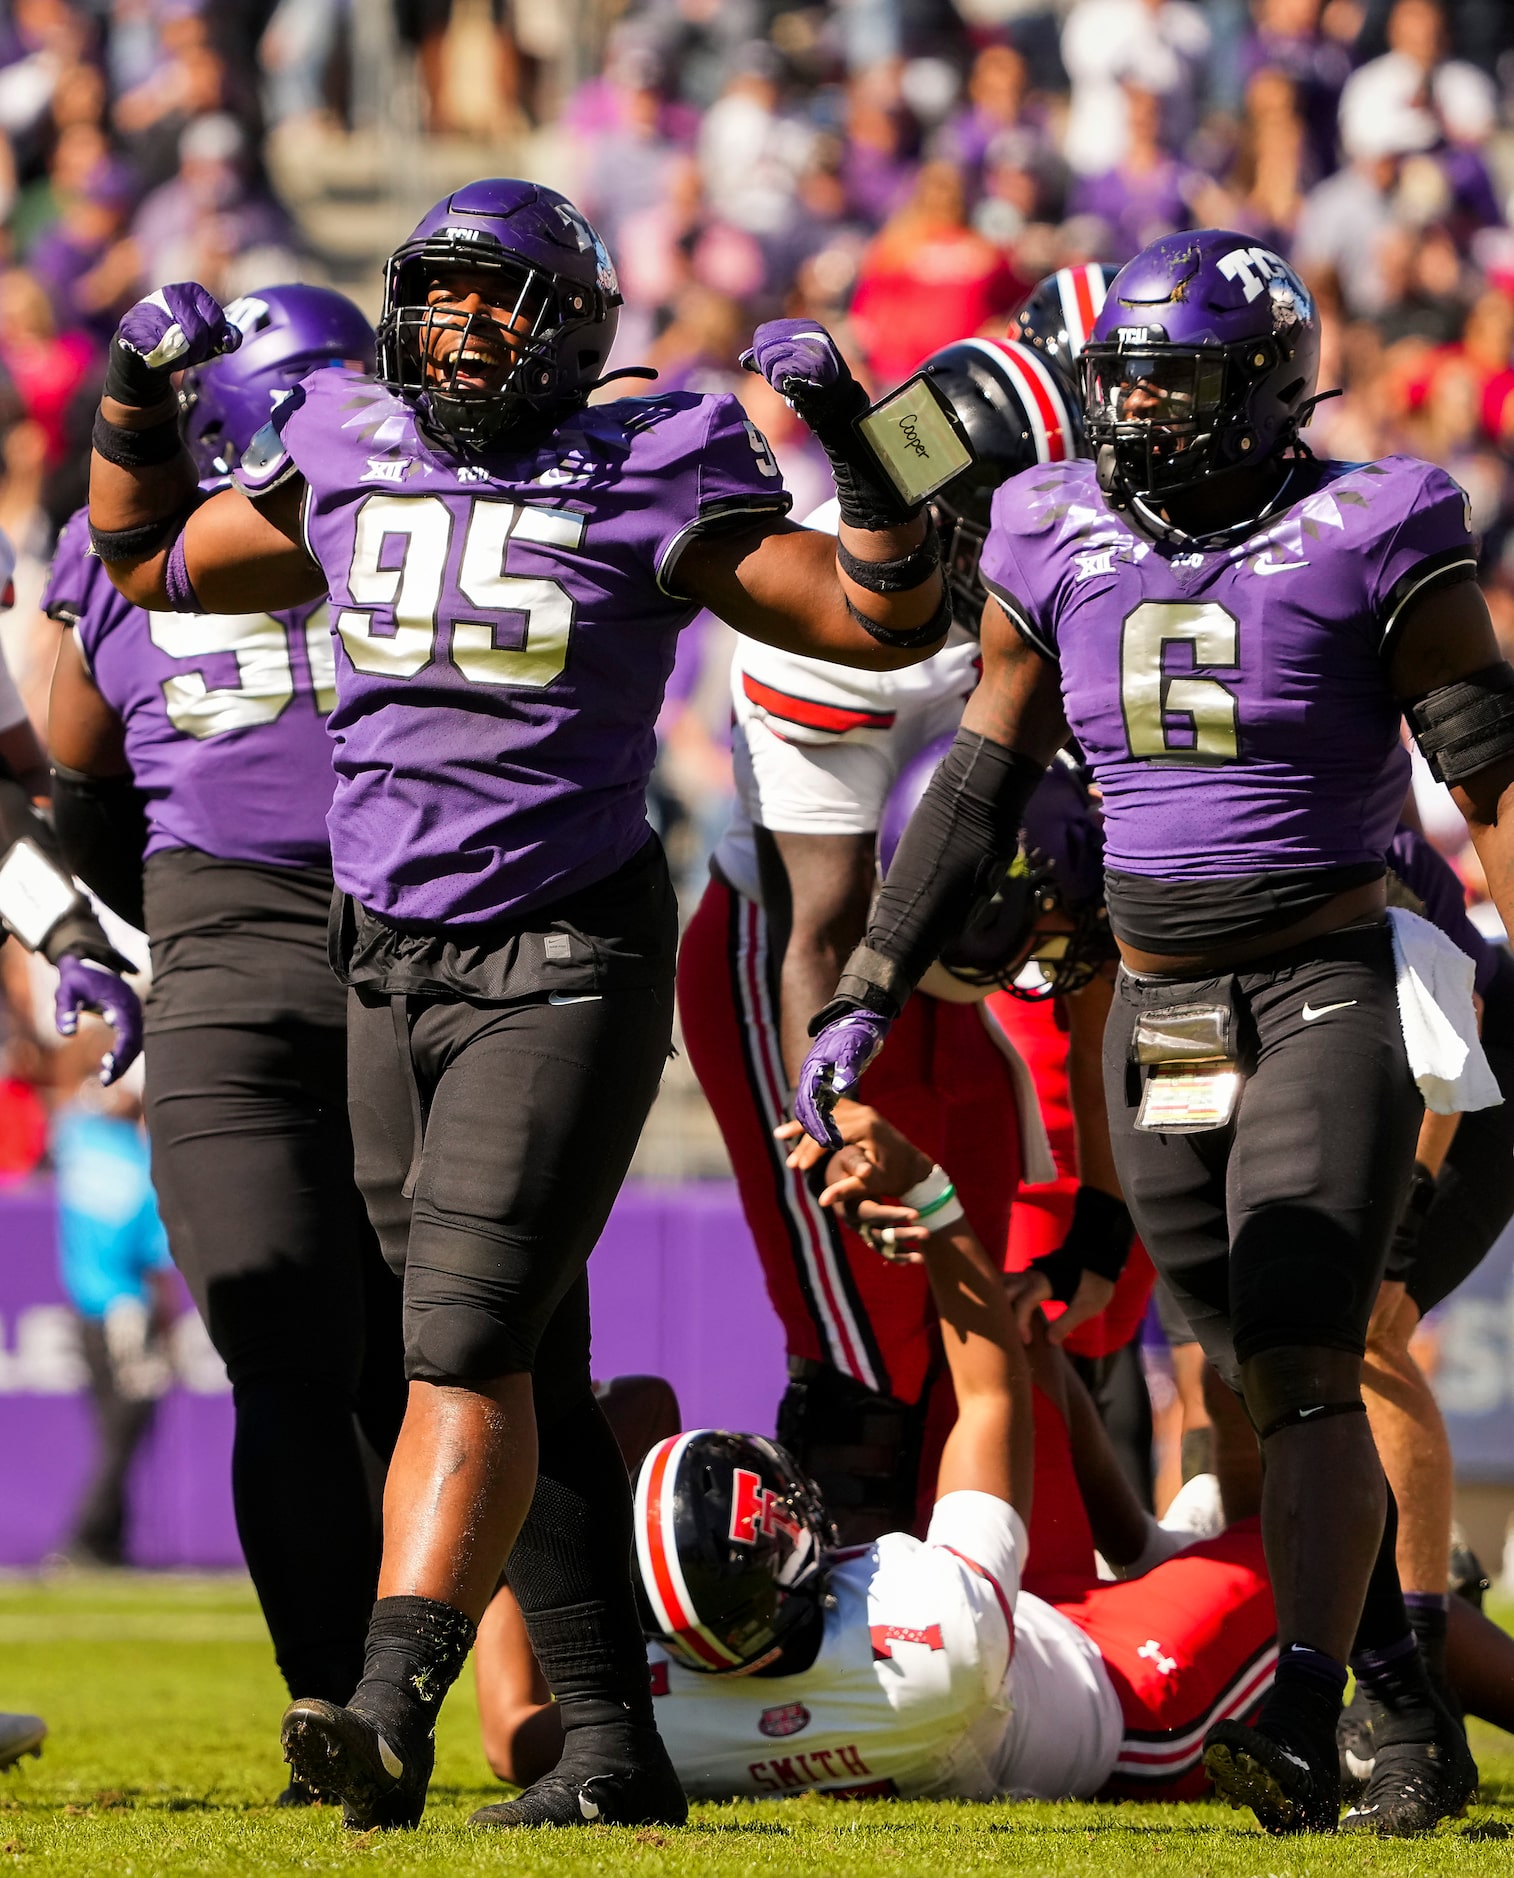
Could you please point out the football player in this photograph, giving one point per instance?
(1231, 629)
(508, 569)
(927, 1669)
(193, 776)
(39, 903)
(818, 751)
(1059, 314)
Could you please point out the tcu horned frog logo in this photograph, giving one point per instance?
(757, 1509)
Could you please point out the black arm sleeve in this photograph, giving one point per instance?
(102, 830)
(78, 931)
(958, 843)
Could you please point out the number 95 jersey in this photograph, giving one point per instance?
(1234, 702)
(506, 623)
(224, 714)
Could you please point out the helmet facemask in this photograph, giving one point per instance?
(428, 352)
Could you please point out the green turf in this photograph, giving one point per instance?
(163, 1703)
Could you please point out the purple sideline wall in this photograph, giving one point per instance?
(676, 1291)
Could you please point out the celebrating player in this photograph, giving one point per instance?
(198, 743)
(818, 750)
(508, 569)
(928, 1669)
(1231, 629)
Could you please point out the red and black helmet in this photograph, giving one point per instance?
(730, 1540)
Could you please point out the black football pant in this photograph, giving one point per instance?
(252, 1161)
(1273, 1232)
(491, 1141)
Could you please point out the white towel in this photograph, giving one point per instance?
(1438, 1017)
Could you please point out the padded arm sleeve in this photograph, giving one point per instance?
(102, 830)
(954, 852)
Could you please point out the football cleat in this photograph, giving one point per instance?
(341, 1755)
(298, 1794)
(21, 1735)
(1287, 1789)
(1353, 1740)
(650, 1795)
(1414, 1785)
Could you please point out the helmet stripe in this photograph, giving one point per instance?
(1082, 292)
(1035, 384)
(657, 1554)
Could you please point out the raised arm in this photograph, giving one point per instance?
(949, 863)
(873, 594)
(991, 1448)
(160, 544)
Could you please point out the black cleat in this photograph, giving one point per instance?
(1287, 1791)
(341, 1755)
(1415, 1785)
(298, 1794)
(1353, 1740)
(648, 1795)
(20, 1735)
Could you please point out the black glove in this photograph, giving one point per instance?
(1098, 1241)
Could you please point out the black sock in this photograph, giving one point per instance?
(1427, 1619)
(1305, 1698)
(416, 1649)
(1405, 1706)
(571, 1572)
(1384, 1621)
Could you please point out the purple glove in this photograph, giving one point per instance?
(170, 330)
(834, 1067)
(802, 363)
(86, 987)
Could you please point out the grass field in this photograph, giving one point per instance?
(163, 1703)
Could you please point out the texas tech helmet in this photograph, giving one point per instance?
(549, 267)
(1059, 316)
(1017, 413)
(730, 1540)
(287, 333)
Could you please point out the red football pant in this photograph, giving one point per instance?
(940, 1079)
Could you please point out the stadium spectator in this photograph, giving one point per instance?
(1160, 45)
(113, 1256)
(1149, 192)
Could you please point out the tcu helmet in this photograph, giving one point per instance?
(1204, 358)
(1058, 869)
(546, 265)
(1060, 313)
(1017, 412)
(730, 1541)
(287, 333)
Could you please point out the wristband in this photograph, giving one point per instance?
(131, 381)
(900, 575)
(136, 449)
(935, 1200)
(177, 585)
(870, 982)
(935, 628)
(1097, 1241)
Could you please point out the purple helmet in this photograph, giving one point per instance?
(1204, 358)
(287, 333)
(1059, 315)
(1017, 412)
(1059, 868)
(554, 275)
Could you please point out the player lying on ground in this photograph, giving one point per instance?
(784, 1665)
(193, 776)
(508, 570)
(1197, 606)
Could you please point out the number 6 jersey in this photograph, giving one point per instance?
(1234, 702)
(506, 623)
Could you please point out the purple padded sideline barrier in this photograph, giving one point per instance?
(676, 1289)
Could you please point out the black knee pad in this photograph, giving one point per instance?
(1288, 1386)
(448, 1343)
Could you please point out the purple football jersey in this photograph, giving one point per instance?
(224, 714)
(1234, 703)
(505, 627)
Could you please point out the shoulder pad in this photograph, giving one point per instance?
(266, 463)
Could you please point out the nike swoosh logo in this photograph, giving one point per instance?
(1310, 1013)
(394, 1767)
(1276, 567)
(1304, 1414)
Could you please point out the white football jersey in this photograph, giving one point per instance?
(935, 1678)
(817, 747)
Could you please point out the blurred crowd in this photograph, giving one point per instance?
(900, 169)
